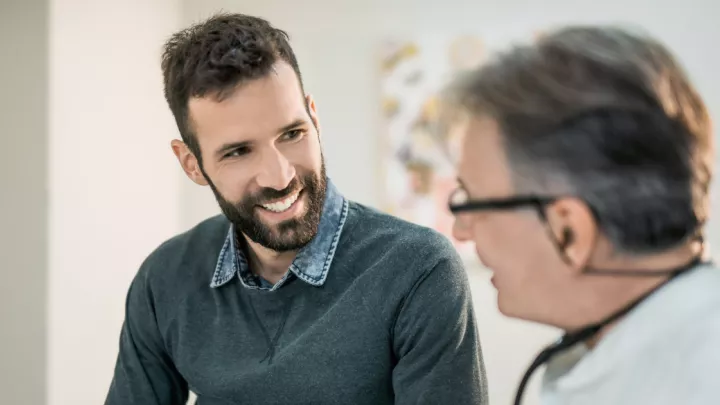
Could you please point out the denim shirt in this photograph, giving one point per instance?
(312, 261)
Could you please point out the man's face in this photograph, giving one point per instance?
(261, 156)
(514, 244)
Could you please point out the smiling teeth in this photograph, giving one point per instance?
(282, 205)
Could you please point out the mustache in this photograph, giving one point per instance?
(268, 194)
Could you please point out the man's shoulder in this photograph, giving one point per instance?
(369, 225)
(184, 254)
(393, 251)
(673, 344)
(391, 258)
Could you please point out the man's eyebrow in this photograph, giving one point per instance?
(298, 122)
(225, 148)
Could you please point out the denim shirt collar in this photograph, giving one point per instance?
(312, 261)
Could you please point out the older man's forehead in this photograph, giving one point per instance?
(482, 162)
(480, 139)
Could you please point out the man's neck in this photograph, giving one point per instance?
(267, 263)
(635, 287)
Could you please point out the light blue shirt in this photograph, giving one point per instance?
(312, 261)
(664, 352)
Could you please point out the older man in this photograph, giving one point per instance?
(584, 185)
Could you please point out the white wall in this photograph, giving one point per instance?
(114, 183)
(23, 201)
(336, 43)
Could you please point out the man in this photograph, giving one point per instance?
(584, 176)
(295, 295)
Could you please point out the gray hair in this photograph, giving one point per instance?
(608, 116)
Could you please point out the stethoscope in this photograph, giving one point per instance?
(571, 339)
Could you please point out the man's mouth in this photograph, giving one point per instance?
(284, 204)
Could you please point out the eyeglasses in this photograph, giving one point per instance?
(460, 202)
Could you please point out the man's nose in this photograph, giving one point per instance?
(275, 172)
(460, 230)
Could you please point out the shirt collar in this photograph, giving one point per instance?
(312, 261)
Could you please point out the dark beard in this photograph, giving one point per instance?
(291, 234)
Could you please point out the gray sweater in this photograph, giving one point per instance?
(392, 324)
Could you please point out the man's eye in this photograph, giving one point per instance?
(237, 152)
(293, 135)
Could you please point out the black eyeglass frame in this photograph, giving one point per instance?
(538, 203)
(506, 203)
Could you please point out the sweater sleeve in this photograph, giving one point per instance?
(436, 342)
(144, 372)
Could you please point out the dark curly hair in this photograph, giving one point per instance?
(212, 57)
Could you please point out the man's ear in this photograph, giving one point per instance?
(312, 110)
(574, 228)
(188, 162)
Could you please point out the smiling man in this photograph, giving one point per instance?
(295, 295)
